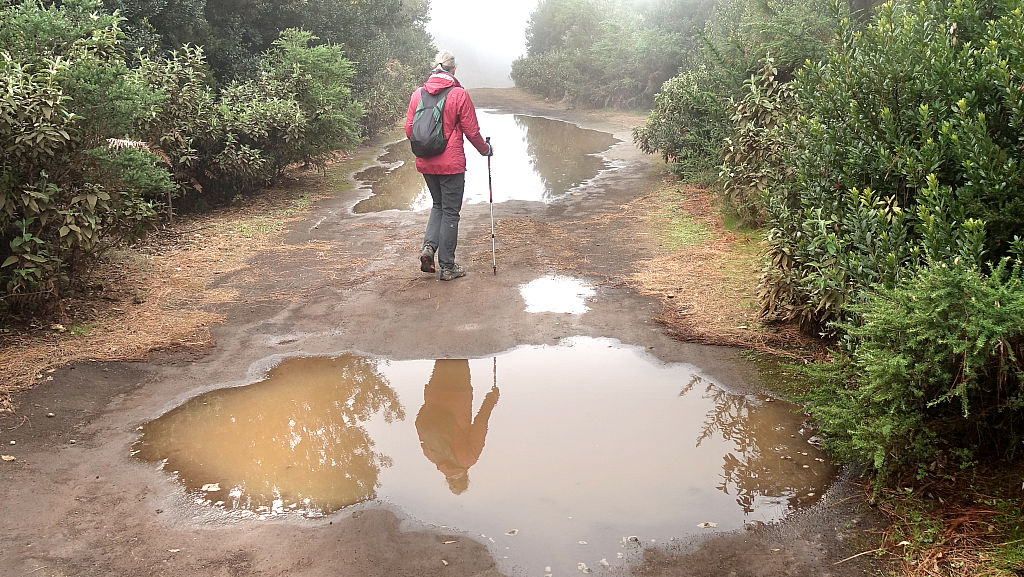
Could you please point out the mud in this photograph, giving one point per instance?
(343, 282)
(555, 454)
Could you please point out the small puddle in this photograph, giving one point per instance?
(535, 159)
(556, 294)
(553, 456)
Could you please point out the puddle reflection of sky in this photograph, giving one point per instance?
(556, 294)
(536, 159)
(533, 452)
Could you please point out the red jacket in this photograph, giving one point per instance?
(459, 118)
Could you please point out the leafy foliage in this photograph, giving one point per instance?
(689, 122)
(385, 41)
(95, 149)
(753, 154)
(936, 378)
(606, 52)
(65, 193)
(694, 113)
(907, 145)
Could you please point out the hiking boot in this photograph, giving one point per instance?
(427, 259)
(452, 273)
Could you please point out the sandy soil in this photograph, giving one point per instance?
(324, 281)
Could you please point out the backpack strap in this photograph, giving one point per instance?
(428, 100)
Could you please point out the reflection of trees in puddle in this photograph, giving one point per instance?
(293, 441)
(755, 467)
(393, 187)
(562, 153)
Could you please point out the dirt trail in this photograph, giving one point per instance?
(74, 503)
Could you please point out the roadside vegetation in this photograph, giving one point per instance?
(607, 53)
(880, 154)
(112, 117)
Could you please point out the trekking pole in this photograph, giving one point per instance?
(490, 188)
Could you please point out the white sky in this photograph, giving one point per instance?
(484, 36)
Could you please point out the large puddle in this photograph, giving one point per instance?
(553, 456)
(536, 159)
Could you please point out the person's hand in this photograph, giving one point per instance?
(490, 149)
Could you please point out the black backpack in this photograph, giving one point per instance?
(427, 128)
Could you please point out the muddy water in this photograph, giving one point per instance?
(553, 456)
(535, 159)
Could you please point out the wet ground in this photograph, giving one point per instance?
(561, 431)
(541, 159)
(555, 455)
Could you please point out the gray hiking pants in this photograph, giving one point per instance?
(443, 224)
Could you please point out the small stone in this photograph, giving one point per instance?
(50, 415)
(807, 466)
(583, 567)
(604, 563)
(444, 562)
(14, 442)
(72, 441)
(708, 525)
(582, 542)
(512, 532)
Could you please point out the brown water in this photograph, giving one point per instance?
(553, 456)
(535, 159)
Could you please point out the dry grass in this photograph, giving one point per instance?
(157, 295)
(955, 528)
(705, 274)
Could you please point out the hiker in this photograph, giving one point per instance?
(449, 434)
(445, 173)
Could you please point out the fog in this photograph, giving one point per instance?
(484, 36)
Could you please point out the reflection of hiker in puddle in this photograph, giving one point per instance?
(449, 435)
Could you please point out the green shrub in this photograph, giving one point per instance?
(688, 123)
(318, 78)
(65, 95)
(696, 111)
(753, 153)
(933, 374)
(602, 53)
(907, 142)
(298, 109)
